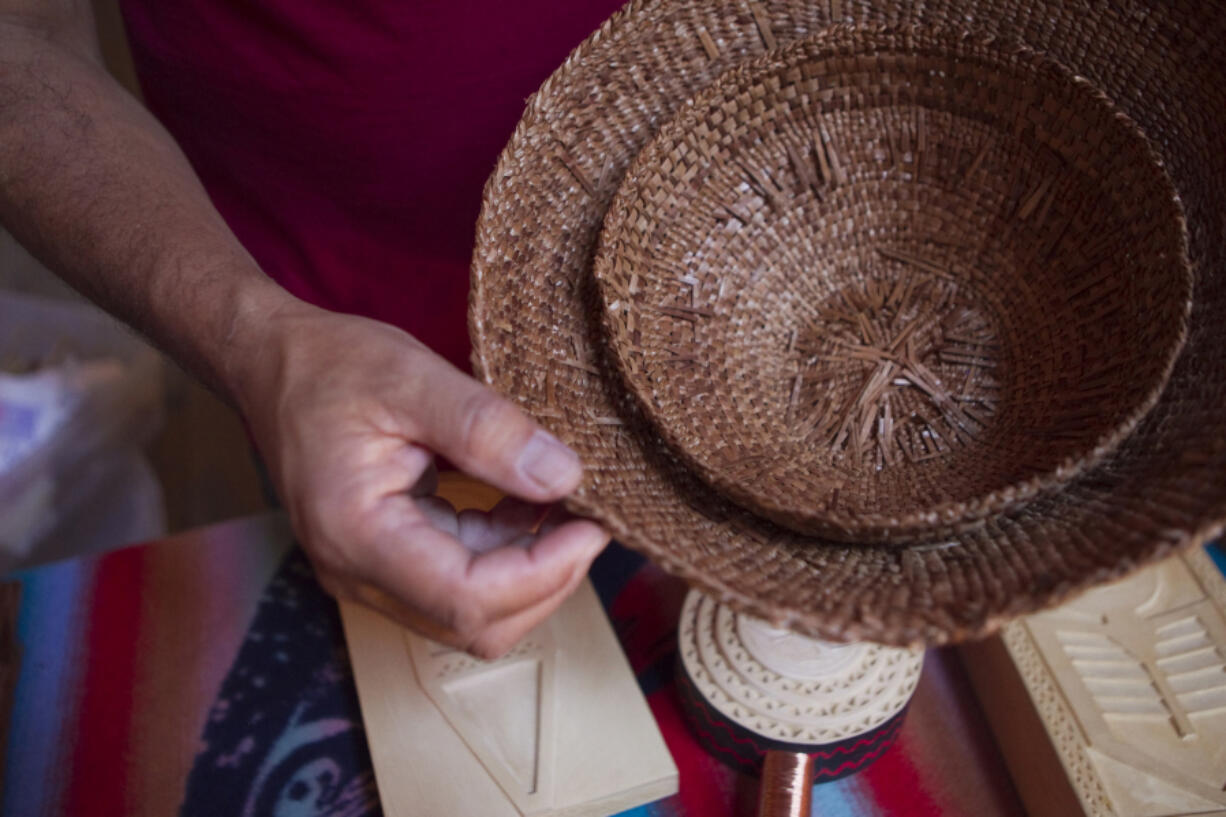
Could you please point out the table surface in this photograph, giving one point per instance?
(205, 674)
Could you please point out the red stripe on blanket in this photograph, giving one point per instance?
(897, 785)
(110, 651)
(707, 787)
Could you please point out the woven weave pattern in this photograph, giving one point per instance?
(882, 284)
(535, 322)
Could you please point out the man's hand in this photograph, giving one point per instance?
(348, 413)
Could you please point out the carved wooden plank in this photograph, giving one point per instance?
(559, 726)
(1115, 704)
(503, 710)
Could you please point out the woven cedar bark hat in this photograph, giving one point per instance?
(879, 285)
(535, 321)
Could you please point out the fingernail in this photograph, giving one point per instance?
(549, 463)
(599, 542)
(590, 548)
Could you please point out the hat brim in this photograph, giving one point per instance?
(534, 322)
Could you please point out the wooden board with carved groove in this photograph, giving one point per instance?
(1114, 705)
(556, 728)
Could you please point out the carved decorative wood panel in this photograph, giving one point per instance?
(1128, 685)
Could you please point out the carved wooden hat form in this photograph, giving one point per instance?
(872, 322)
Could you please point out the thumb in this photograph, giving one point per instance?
(486, 436)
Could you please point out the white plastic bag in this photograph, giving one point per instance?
(80, 397)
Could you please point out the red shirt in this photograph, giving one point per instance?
(346, 142)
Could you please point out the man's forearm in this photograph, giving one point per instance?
(98, 191)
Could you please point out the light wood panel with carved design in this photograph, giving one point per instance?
(1115, 704)
(557, 727)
